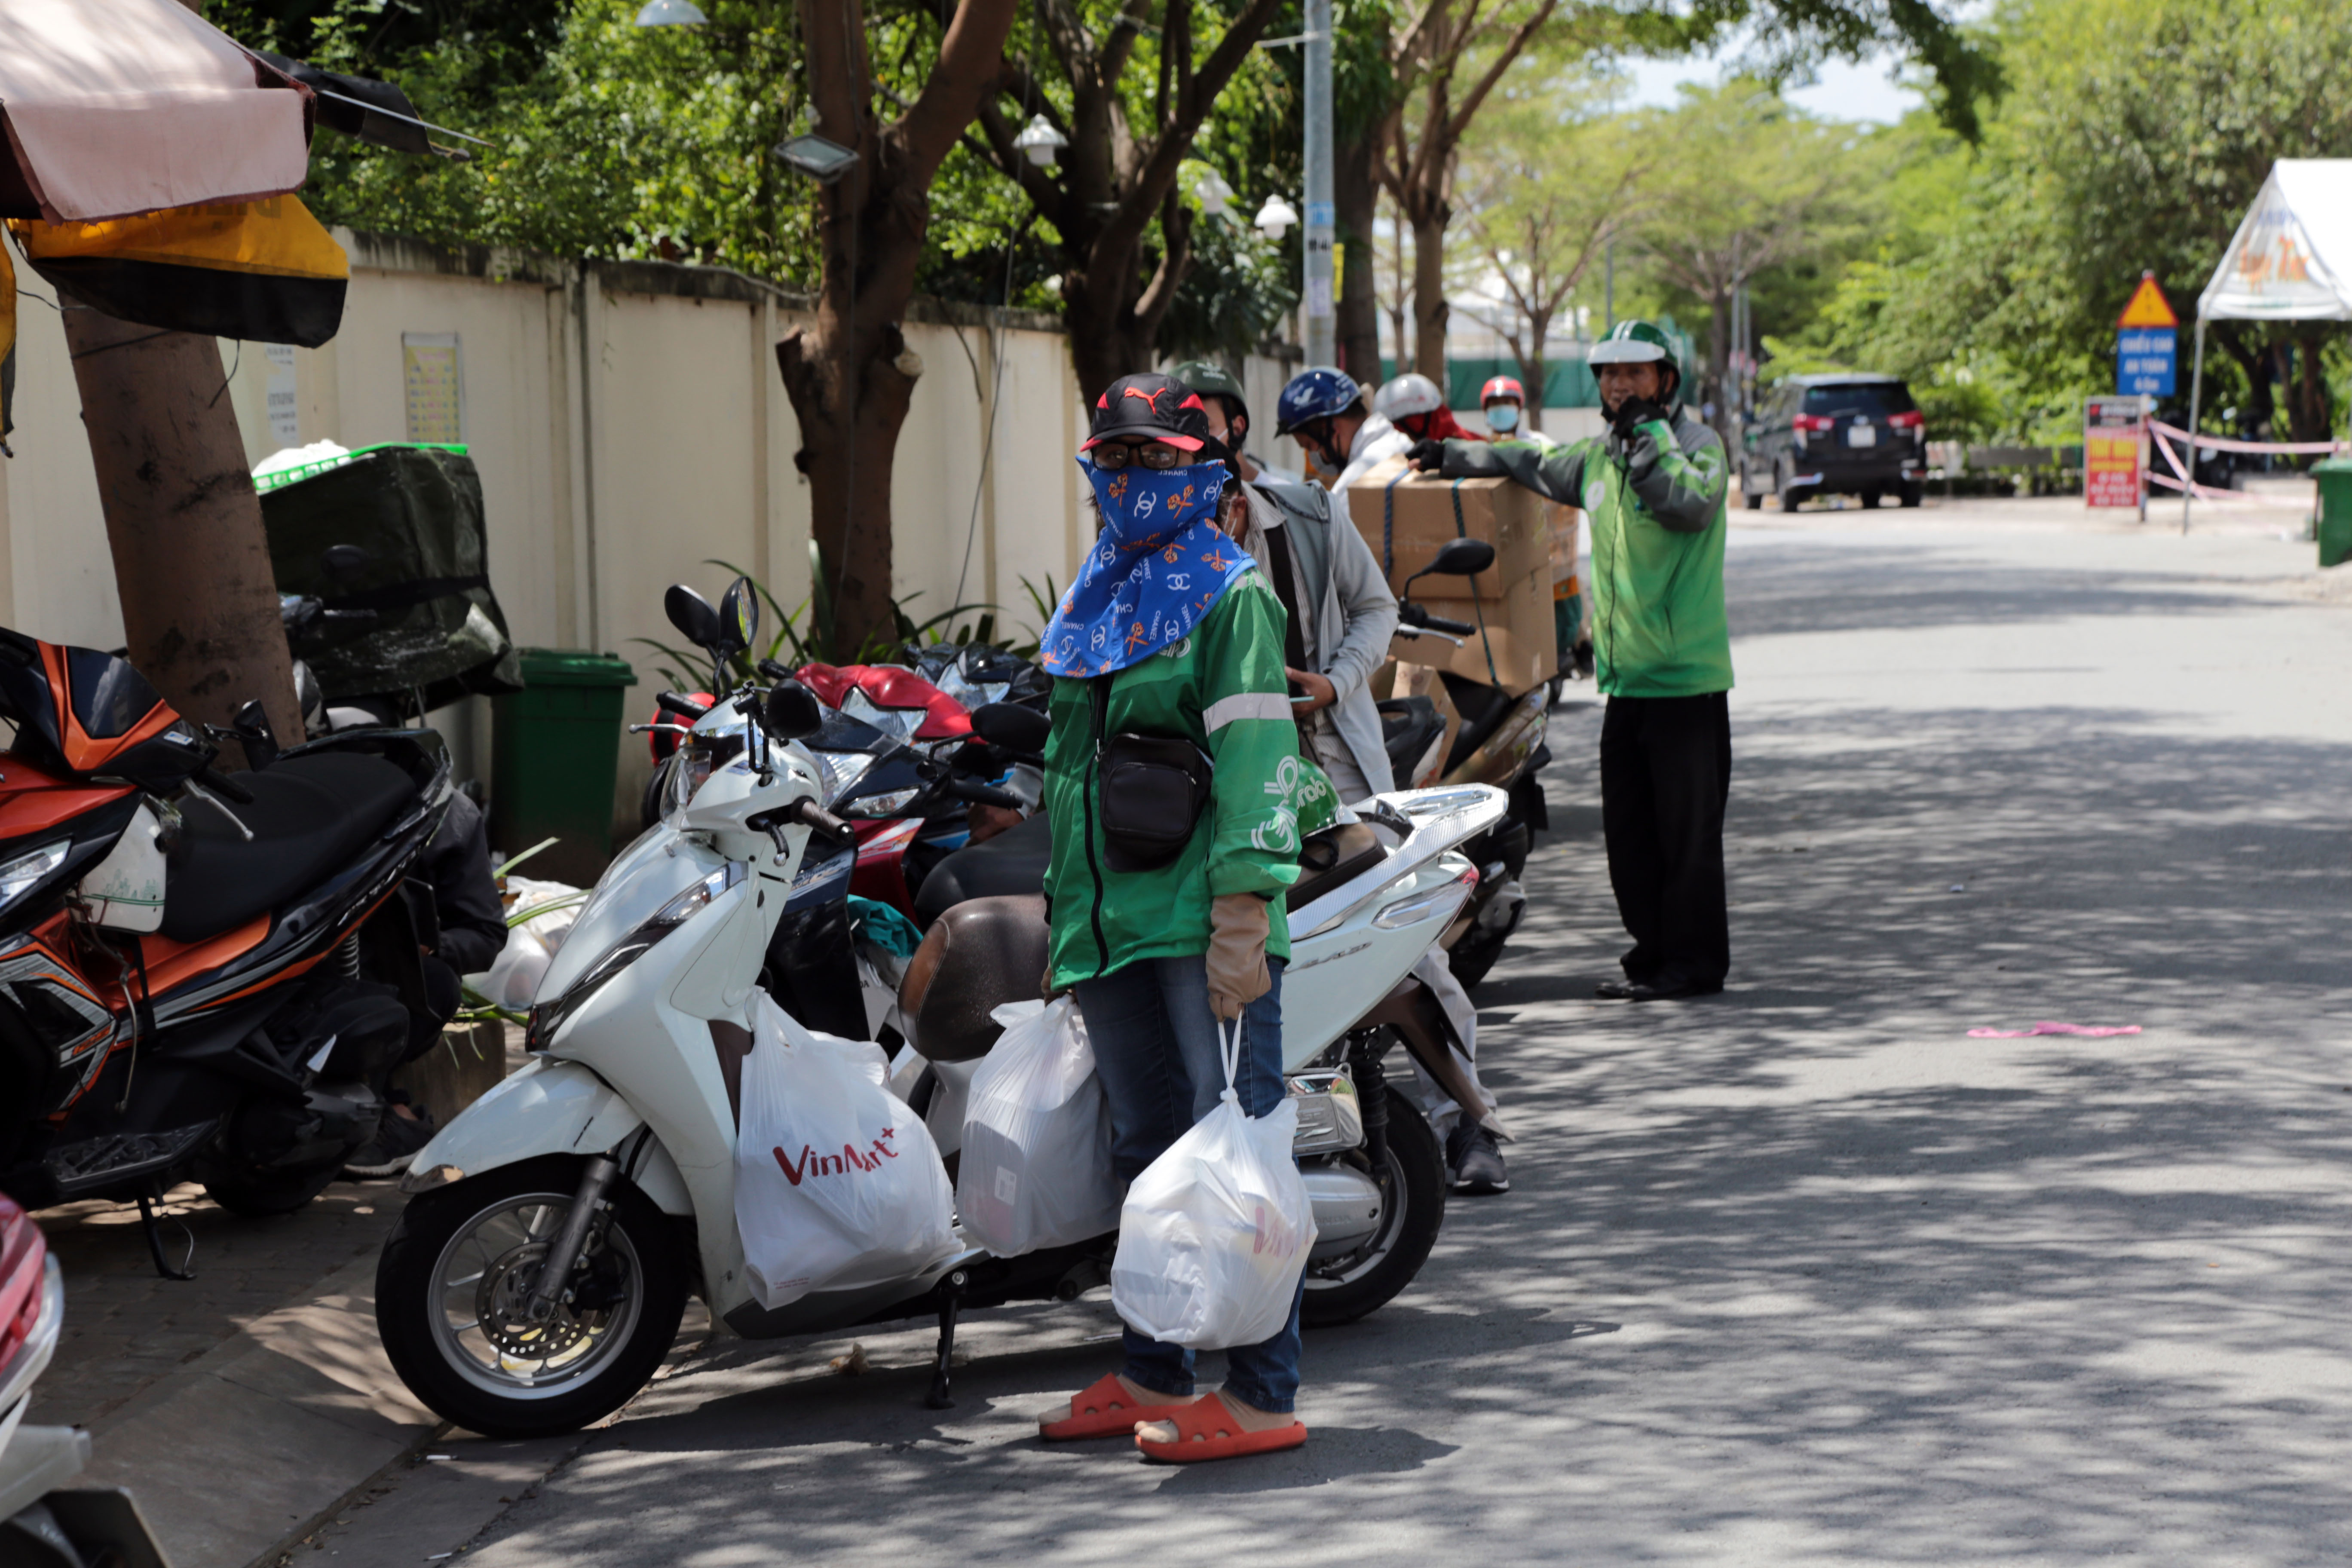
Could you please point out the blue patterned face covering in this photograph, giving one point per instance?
(1157, 567)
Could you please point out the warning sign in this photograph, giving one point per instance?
(2115, 445)
(2148, 307)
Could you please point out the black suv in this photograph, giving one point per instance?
(1834, 435)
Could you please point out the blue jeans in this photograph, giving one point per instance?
(1155, 1043)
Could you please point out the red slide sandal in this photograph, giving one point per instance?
(1205, 1429)
(1106, 1409)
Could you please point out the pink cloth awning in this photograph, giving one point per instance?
(119, 107)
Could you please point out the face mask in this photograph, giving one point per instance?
(1503, 417)
(1143, 509)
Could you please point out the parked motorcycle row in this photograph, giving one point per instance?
(204, 975)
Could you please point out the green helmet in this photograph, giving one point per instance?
(1212, 380)
(1633, 341)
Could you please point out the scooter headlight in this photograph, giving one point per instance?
(24, 872)
(547, 1018)
(888, 803)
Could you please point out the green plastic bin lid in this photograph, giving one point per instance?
(574, 667)
(2333, 466)
(264, 483)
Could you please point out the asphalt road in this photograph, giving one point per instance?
(1802, 1274)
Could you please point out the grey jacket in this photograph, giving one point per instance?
(1336, 568)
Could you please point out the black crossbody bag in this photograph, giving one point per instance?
(1153, 790)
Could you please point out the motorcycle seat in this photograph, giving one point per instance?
(1408, 726)
(308, 816)
(1331, 858)
(1013, 862)
(978, 956)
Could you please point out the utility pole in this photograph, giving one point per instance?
(1320, 227)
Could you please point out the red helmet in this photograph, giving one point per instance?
(1502, 387)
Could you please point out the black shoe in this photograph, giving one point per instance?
(1670, 988)
(1475, 1159)
(396, 1143)
(1619, 990)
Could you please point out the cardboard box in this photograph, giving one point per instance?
(1520, 635)
(1406, 525)
(1563, 521)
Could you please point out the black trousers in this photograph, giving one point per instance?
(1665, 774)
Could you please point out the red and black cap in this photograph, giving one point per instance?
(1152, 404)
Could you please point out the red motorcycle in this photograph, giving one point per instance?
(200, 975)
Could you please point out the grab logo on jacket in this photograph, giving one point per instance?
(851, 1158)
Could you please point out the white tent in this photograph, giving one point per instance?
(2291, 260)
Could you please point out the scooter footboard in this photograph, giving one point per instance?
(548, 1108)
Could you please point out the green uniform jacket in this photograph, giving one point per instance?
(1657, 509)
(1223, 689)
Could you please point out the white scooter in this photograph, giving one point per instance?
(539, 1271)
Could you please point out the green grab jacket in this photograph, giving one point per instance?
(1223, 689)
(1656, 504)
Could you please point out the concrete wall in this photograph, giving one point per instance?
(629, 425)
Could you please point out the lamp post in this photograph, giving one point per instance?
(1275, 218)
(1322, 322)
(671, 14)
(1039, 141)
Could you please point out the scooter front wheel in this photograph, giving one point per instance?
(454, 1287)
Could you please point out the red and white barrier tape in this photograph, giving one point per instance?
(2179, 479)
(2225, 444)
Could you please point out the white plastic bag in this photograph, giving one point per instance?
(512, 980)
(837, 1184)
(1035, 1164)
(1216, 1232)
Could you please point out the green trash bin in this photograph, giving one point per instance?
(2334, 478)
(555, 751)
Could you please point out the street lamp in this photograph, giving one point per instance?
(671, 14)
(1040, 140)
(1274, 219)
(1217, 197)
(822, 161)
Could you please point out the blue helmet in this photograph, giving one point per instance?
(1319, 394)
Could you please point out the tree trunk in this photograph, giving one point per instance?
(183, 522)
(1355, 198)
(847, 454)
(1429, 308)
(1718, 349)
(850, 377)
(1533, 371)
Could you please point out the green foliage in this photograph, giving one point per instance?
(801, 635)
(619, 141)
(2136, 134)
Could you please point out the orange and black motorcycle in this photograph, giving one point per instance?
(200, 975)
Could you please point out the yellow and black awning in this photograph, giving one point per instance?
(265, 271)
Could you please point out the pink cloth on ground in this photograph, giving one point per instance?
(2095, 1029)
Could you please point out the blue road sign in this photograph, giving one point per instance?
(2147, 360)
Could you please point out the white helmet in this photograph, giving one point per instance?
(1406, 396)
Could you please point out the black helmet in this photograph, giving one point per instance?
(1211, 379)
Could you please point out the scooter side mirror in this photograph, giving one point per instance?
(739, 618)
(691, 613)
(792, 711)
(1012, 726)
(1461, 558)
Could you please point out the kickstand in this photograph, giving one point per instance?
(950, 1302)
(155, 1241)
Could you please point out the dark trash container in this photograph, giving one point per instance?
(2334, 478)
(555, 751)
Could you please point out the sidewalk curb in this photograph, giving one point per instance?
(284, 1546)
(244, 1450)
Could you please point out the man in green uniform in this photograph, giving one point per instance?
(1654, 489)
